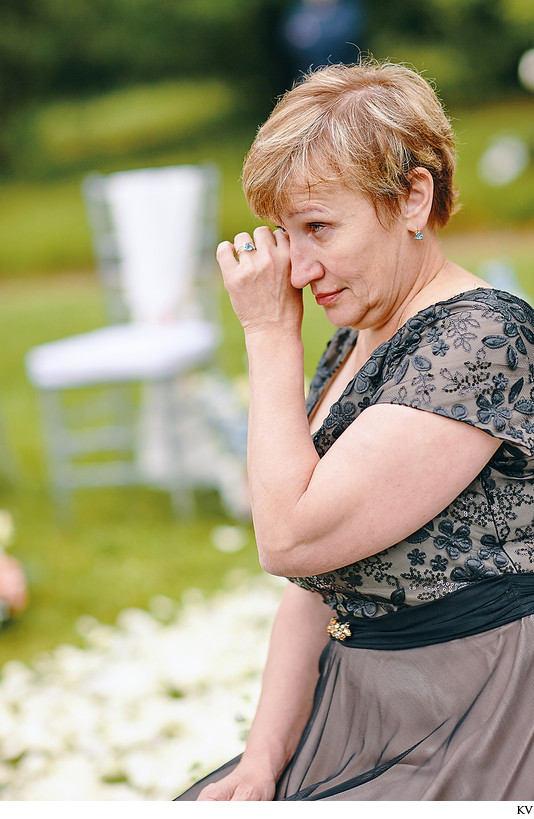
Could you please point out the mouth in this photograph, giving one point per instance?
(323, 299)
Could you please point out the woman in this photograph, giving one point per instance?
(409, 507)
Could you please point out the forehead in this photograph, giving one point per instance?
(320, 198)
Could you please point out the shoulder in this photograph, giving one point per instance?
(470, 358)
(493, 318)
(487, 307)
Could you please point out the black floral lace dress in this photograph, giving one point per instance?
(425, 687)
(471, 359)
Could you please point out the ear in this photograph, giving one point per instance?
(418, 202)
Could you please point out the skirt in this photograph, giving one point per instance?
(445, 720)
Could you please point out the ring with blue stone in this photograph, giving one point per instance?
(245, 247)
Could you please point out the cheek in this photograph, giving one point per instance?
(349, 267)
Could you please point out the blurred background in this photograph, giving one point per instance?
(113, 85)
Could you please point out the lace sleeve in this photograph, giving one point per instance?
(474, 363)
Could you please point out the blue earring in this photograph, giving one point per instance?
(418, 235)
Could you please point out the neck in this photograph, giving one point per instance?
(437, 279)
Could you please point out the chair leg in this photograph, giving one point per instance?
(161, 448)
(168, 451)
(179, 482)
(56, 448)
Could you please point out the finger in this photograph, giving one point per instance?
(225, 254)
(263, 237)
(207, 794)
(241, 238)
(245, 793)
(216, 792)
(281, 238)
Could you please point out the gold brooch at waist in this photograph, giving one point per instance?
(337, 629)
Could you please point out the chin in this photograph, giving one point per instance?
(340, 320)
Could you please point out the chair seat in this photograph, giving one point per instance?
(120, 353)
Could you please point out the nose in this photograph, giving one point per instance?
(305, 268)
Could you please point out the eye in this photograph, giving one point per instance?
(315, 227)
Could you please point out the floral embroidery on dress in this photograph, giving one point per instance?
(470, 358)
(473, 379)
(459, 329)
(526, 551)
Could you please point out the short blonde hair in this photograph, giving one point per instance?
(367, 126)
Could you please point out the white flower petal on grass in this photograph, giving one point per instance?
(6, 774)
(162, 607)
(146, 707)
(137, 622)
(119, 792)
(34, 764)
(17, 678)
(99, 636)
(229, 539)
(71, 777)
(126, 679)
(504, 160)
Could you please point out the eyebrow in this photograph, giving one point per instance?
(300, 211)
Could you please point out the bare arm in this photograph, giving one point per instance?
(390, 472)
(289, 679)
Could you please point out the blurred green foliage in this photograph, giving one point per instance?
(470, 47)
(65, 135)
(43, 224)
(113, 84)
(57, 49)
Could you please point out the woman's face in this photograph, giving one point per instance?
(355, 267)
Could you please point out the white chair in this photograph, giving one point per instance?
(154, 234)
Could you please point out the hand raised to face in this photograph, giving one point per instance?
(257, 275)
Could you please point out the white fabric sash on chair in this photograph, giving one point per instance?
(156, 214)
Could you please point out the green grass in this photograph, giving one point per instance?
(43, 228)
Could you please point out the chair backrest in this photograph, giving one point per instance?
(154, 235)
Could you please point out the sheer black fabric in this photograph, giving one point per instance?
(451, 721)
